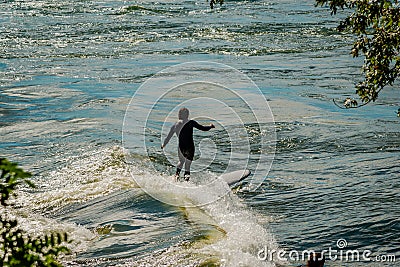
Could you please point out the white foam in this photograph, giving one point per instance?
(245, 236)
(37, 226)
(97, 174)
(94, 174)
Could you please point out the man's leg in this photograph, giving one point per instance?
(187, 169)
(178, 171)
(179, 165)
(189, 155)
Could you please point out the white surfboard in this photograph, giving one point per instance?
(232, 178)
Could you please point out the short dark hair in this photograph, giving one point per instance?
(183, 113)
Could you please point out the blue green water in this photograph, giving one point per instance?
(68, 70)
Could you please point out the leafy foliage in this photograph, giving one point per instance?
(16, 247)
(11, 176)
(376, 23)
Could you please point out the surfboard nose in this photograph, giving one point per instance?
(234, 177)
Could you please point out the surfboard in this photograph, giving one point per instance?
(234, 177)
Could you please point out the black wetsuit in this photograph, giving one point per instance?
(184, 131)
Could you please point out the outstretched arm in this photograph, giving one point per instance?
(170, 134)
(203, 128)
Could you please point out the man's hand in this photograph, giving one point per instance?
(212, 125)
(162, 146)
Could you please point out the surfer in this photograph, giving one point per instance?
(183, 128)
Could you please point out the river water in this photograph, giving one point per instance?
(69, 69)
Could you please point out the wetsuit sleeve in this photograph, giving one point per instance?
(170, 134)
(201, 127)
